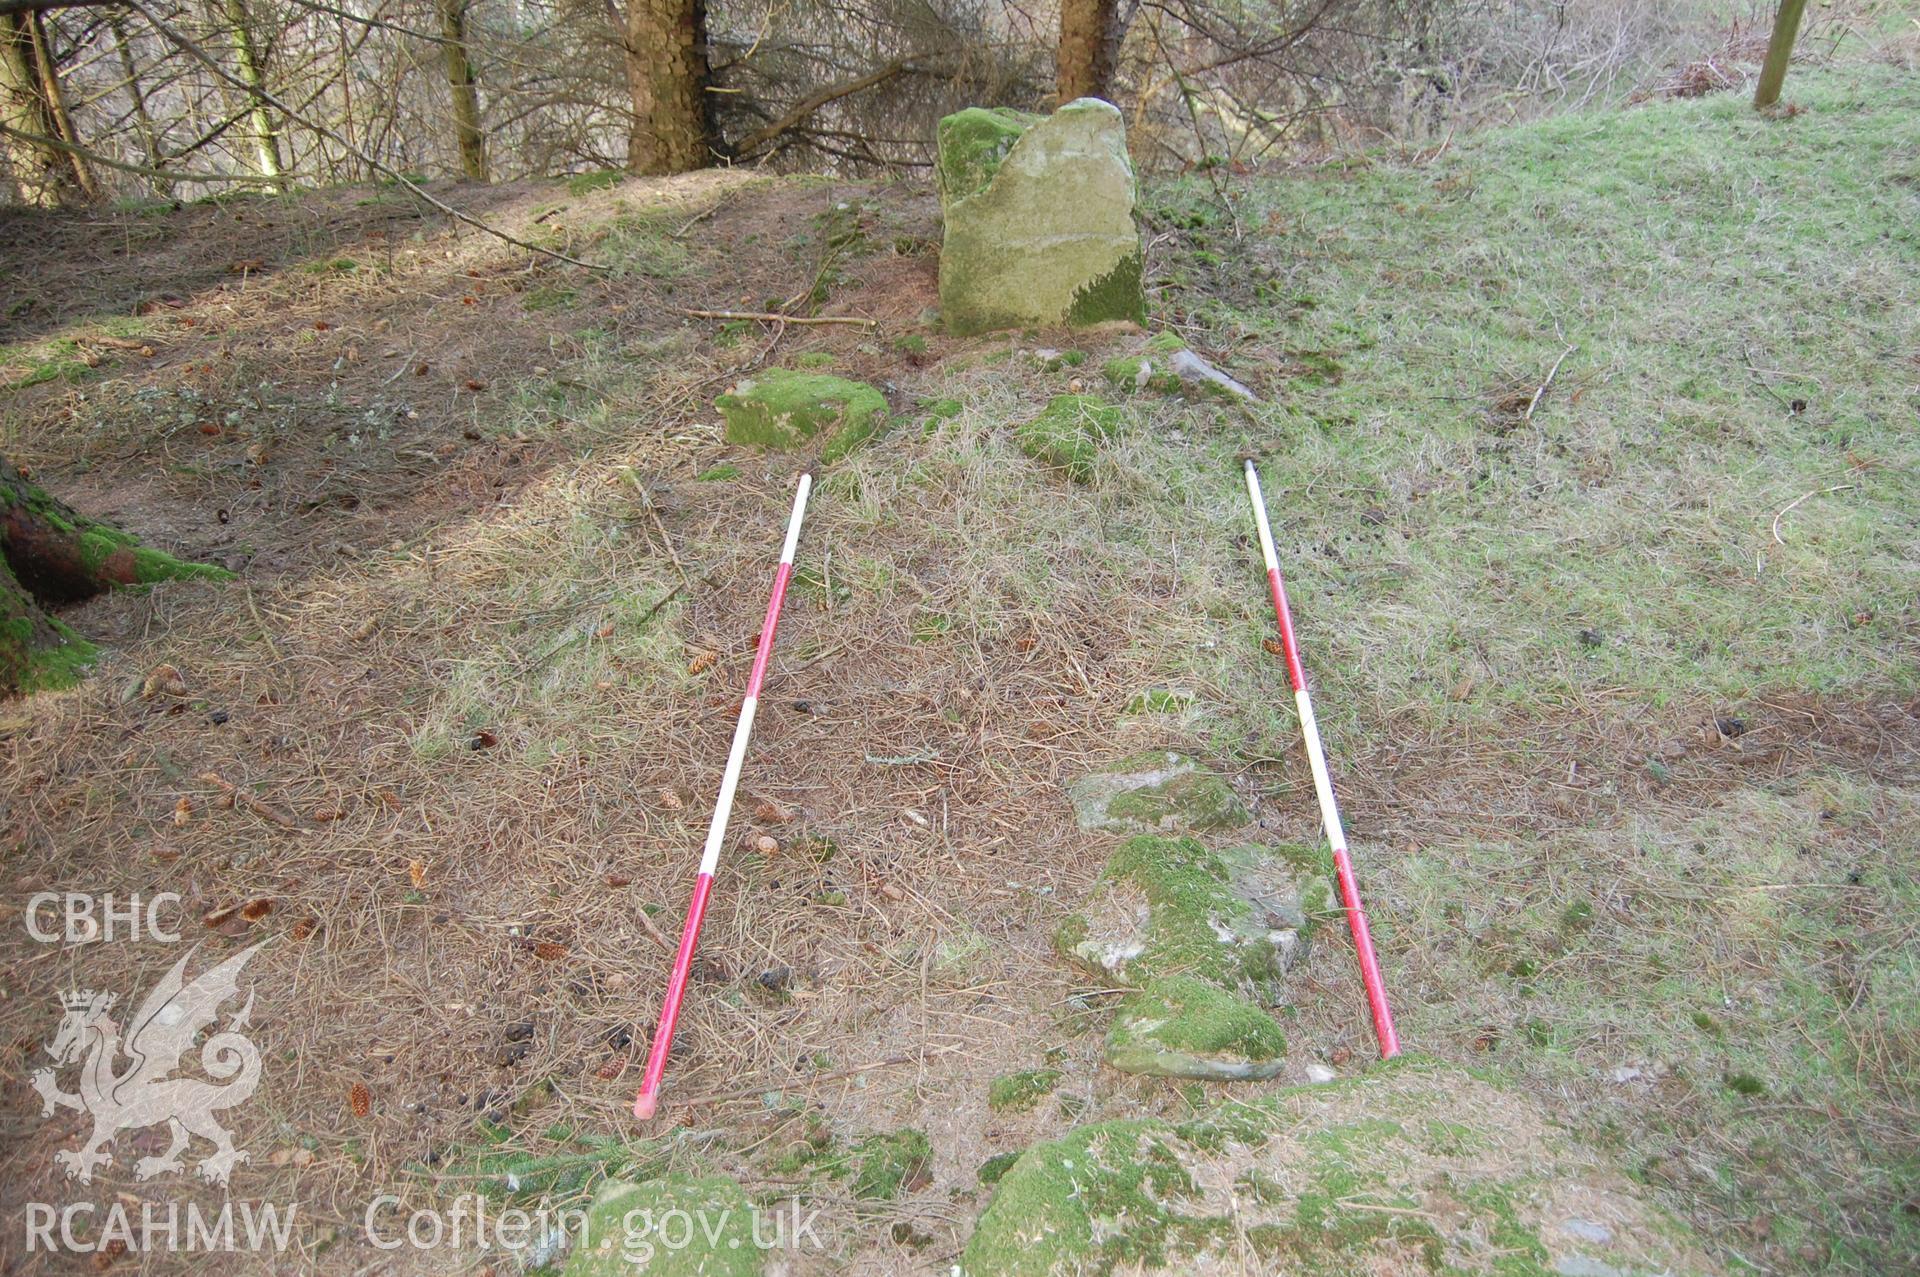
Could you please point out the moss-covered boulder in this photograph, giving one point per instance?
(1184, 1026)
(674, 1226)
(1068, 435)
(783, 408)
(1039, 219)
(1155, 792)
(1168, 906)
(1414, 1167)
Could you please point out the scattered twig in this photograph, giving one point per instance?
(1789, 507)
(700, 217)
(769, 317)
(653, 932)
(259, 807)
(261, 621)
(1551, 372)
(904, 760)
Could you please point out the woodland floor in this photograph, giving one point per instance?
(1620, 686)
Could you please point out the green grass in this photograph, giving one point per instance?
(1671, 245)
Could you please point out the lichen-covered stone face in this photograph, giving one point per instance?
(635, 1227)
(783, 409)
(1155, 792)
(1039, 220)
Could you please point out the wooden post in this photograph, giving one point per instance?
(1786, 26)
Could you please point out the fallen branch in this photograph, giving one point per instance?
(769, 317)
(1535, 401)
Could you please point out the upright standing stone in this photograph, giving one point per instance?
(1039, 219)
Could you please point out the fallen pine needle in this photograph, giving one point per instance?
(1790, 506)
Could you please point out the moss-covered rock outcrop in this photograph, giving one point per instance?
(1182, 1026)
(1415, 1167)
(1039, 219)
(784, 409)
(1170, 906)
(674, 1226)
(1155, 792)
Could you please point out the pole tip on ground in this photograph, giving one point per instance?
(644, 1105)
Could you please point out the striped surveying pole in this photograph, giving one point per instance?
(648, 1099)
(1323, 783)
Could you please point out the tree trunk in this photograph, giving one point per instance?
(49, 553)
(1089, 50)
(149, 135)
(666, 56)
(466, 97)
(43, 174)
(1773, 72)
(253, 73)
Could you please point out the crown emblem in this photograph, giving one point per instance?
(86, 999)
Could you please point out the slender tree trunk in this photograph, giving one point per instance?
(252, 71)
(1089, 50)
(57, 104)
(149, 135)
(44, 175)
(1773, 72)
(50, 553)
(666, 56)
(466, 96)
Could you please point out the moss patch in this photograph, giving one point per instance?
(1117, 295)
(1017, 1092)
(887, 1165)
(1322, 1179)
(1153, 792)
(1067, 436)
(972, 143)
(1139, 372)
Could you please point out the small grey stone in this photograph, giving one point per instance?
(1587, 1230)
(1586, 1266)
(1189, 367)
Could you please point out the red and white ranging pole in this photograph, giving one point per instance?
(648, 1099)
(1323, 784)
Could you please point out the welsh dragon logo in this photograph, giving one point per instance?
(141, 1093)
